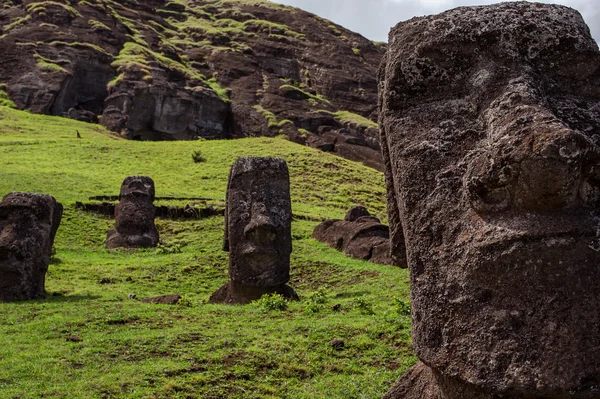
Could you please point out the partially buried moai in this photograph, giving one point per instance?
(490, 129)
(28, 225)
(258, 234)
(134, 215)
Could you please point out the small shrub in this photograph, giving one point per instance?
(316, 301)
(185, 301)
(168, 250)
(270, 302)
(364, 306)
(198, 157)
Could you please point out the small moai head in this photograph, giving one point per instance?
(141, 187)
(490, 126)
(134, 215)
(28, 225)
(258, 219)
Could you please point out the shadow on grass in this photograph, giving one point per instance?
(56, 297)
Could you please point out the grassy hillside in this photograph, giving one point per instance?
(88, 339)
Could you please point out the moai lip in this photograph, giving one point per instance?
(258, 232)
(28, 225)
(134, 215)
(490, 130)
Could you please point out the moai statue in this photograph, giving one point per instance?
(359, 236)
(490, 130)
(258, 231)
(134, 215)
(28, 225)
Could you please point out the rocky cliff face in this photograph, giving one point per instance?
(164, 70)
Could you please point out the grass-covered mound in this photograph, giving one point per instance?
(90, 340)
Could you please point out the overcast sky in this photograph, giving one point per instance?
(374, 18)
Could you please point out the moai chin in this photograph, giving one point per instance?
(28, 225)
(490, 129)
(134, 215)
(258, 234)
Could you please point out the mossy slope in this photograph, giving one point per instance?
(90, 340)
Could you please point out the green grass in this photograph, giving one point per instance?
(352, 118)
(5, 101)
(89, 340)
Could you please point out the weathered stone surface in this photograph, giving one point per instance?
(360, 236)
(134, 215)
(28, 225)
(490, 126)
(160, 70)
(165, 110)
(258, 230)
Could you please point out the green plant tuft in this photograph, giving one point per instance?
(271, 302)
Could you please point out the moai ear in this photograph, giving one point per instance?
(226, 235)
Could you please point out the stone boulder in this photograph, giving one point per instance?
(28, 225)
(359, 236)
(490, 132)
(134, 215)
(258, 231)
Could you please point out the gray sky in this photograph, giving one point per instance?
(374, 18)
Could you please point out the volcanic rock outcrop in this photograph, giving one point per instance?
(28, 225)
(490, 132)
(359, 236)
(258, 231)
(134, 215)
(165, 70)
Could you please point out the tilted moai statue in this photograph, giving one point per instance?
(258, 231)
(490, 129)
(360, 236)
(28, 225)
(134, 215)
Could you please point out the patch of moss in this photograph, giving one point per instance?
(48, 65)
(40, 8)
(98, 26)
(272, 28)
(271, 119)
(5, 101)
(352, 118)
(18, 22)
(77, 44)
(316, 98)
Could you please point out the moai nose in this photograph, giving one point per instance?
(555, 168)
(261, 229)
(550, 177)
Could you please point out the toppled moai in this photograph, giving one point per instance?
(28, 225)
(359, 236)
(490, 130)
(258, 231)
(134, 215)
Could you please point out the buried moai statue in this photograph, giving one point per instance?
(490, 130)
(359, 236)
(134, 215)
(258, 231)
(28, 225)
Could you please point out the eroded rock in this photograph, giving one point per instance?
(28, 225)
(258, 233)
(134, 215)
(359, 236)
(490, 126)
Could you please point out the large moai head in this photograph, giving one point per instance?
(258, 222)
(28, 225)
(490, 125)
(134, 215)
